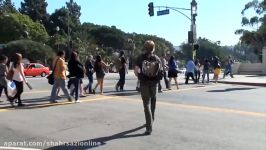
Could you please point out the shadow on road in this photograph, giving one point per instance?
(97, 142)
(35, 103)
(231, 89)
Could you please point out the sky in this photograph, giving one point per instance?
(217, 20)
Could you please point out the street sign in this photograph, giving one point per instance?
(162, 12)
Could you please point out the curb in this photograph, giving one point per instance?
(243, 83)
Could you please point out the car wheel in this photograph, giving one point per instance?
(43, 74)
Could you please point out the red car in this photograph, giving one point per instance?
(36, 69)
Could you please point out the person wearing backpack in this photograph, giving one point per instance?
(149, 71)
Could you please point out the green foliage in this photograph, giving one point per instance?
(14, 25)
(108, 37)
(6, 6)
(35, 9)
(29, 49)
(256, 38)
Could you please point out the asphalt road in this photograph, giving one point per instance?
(195, 117)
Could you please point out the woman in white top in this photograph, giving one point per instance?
(18, 77)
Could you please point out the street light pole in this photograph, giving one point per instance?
(193, 26)
(57, 35)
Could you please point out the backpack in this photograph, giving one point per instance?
(151, 68)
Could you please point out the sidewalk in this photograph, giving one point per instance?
(253, 80)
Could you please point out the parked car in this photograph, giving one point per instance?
(36, 69)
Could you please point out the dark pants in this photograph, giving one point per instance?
(89, 86)
(5, 90)
(19, 87)
(121, 81)
(197, 75)
(148, 95)
(205, 72)
(189, 74)
(76, 83)
(166, 81)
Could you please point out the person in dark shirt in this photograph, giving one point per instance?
(122, 72)
(76, 73)
(206, 70)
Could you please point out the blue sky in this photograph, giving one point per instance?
(217, 20)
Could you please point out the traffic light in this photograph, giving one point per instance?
(151, 9)
(196, 47)
(190, 37)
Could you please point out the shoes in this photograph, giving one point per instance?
(148, 131)
(93, 91)
(9, 98)
(82, 95)
(77, 101)
(137, 89)
(70, 99)
(160, 91)
(116, 88)
(53, 101)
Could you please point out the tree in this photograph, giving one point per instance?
(257, 37)
(74, 12)
(16, 26)
(6, 6)
(36, 9)
(32, 50)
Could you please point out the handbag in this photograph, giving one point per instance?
(10, 74)
(50, 77)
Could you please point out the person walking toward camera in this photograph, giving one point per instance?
(149, 71)
(60, 77)
(18, 78)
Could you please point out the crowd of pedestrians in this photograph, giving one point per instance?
(149, 69)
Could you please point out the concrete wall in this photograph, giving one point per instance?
(255, 68)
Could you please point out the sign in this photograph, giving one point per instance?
(162, 12)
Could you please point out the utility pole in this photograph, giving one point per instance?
(195, 46)
(192, 34)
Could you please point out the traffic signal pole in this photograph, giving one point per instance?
(192, 34)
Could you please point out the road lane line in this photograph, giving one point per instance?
(198, 107)
(3, 110)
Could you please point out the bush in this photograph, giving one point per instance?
(34, 51)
